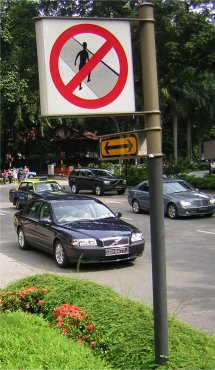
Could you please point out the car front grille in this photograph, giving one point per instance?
(201, 202)
(113, 242)
(117, 182)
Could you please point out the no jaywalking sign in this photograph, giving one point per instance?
(85, 66)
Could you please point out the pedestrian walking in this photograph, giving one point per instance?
(5, 176)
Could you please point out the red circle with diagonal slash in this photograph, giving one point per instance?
(110, 41)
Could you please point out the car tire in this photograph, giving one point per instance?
(21, 240)
(136, 206)
(17, 204)
(172, 211)
(30, 176)
(120, 192)
(60, 255)
(74, 189)
(98, 190)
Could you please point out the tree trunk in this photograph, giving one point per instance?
(189, 139)
(175, 137)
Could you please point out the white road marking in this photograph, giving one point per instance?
(113, 201)
(206, 232)
(2, 214)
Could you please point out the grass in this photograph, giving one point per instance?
(125, 327)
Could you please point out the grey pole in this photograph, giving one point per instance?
(154, 153)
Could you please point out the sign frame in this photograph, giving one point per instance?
(108, 40)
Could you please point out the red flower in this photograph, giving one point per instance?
(9, 293)
(79, 340)
(65, 331)
(27, 290)
(90, 327)
(41, 302)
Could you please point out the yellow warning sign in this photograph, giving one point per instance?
(117, 146)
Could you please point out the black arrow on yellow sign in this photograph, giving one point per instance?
(117, 146)
(127, 145)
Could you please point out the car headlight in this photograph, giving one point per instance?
(124, 182)
(83, 242)
(185, 203)
(106, 182)
(136, 237)
(212, 200)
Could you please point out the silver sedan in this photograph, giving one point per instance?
(180, 199)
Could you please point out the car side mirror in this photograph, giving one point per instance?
(45, 220)
(118, 214)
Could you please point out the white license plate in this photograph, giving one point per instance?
(114, 251)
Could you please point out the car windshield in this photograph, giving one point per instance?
(74, 210)
(176, 187)
(100, 172)
(47, 186)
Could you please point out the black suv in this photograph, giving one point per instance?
(98, 180)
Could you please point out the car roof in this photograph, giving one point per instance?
(57, 197)
(38, 179)
(166, 180)
(173, 180)
(90, 168)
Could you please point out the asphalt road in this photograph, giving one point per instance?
(190, 257)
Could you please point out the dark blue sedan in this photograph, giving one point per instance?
(77, 229)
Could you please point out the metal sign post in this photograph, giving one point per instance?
(153, 139)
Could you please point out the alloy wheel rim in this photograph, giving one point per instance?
(172, 212)
(98, 191)
(59, 254)
(21, 239)
(135, 207)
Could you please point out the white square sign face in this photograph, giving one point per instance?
(85, 67)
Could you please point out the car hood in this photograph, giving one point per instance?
(100, 229)
(188, 195)
(109, 178)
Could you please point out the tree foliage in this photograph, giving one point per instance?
(185, 35)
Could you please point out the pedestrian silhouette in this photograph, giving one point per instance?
(84, 57)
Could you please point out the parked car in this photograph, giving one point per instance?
(97, 180)
(30, 174)
(77, 228)
(180, 199)
(33, 188)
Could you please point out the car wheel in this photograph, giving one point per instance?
(74, 189)
(120, 192)
(136, 206)
(18, 204)
(172, 211)
(30, 176)
(98, 190)
(21, 240)
(60, 255)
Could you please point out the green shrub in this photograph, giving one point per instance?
(27, 342)
(201, 183)
(125, 327)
